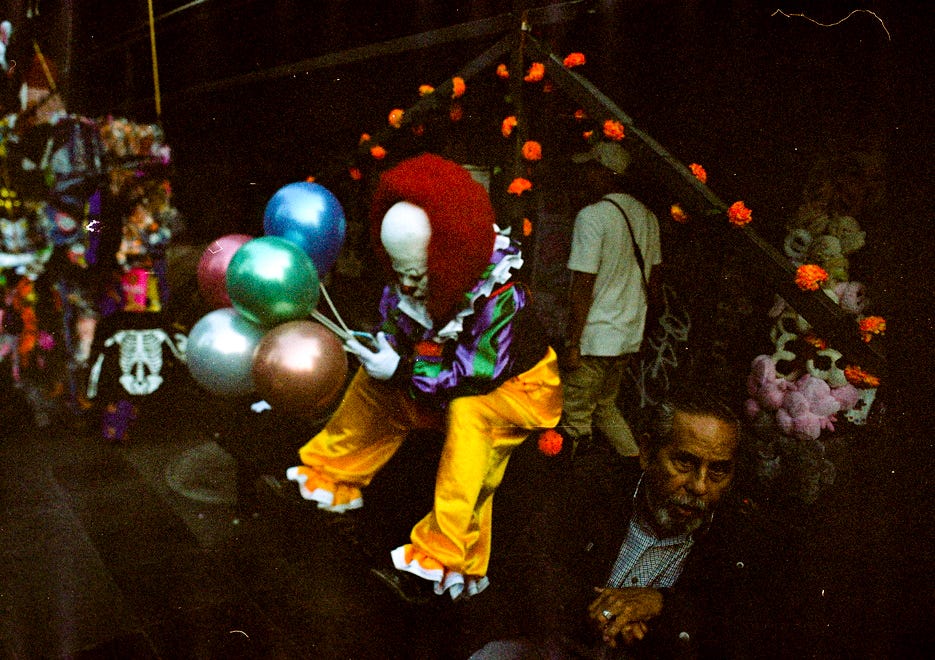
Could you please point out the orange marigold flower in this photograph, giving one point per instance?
(425, 90)
(396, 117)
(364, 137)
(613, 129)
(536, 72)
(587, 135)
(527, 227)
(457, 87)
(573, 60)
(678, 214)
(310, 179)
(519, 185)
(580, 114)
(418, 130)
(502, 72)
(739, 214)
(456, 112)
(809, 277)
(699, 172)
(550, 442)
(378, 152)
(548, 87)
(860, 378)
(355, 173)
(532, 150)
(814, 340)
(871, 325)
(508, 125)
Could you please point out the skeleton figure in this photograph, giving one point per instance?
(140, 359)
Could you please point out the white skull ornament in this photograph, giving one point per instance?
(834, 374)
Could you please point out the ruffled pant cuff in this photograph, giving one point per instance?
(329, 495)
(408, 558)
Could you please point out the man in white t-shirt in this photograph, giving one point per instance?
(608, 298)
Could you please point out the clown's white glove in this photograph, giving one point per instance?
(380, 364)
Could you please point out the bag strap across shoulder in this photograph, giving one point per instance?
(638, 253)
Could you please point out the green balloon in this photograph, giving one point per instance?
(271, 280)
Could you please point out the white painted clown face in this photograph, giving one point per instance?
(405, 234)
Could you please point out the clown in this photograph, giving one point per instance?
(458, 351)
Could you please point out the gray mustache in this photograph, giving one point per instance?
(690, 502)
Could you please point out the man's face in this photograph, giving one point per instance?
(686, 478)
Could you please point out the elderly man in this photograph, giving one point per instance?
(649, 570)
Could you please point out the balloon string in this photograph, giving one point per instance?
(331, 325)
(334, 310)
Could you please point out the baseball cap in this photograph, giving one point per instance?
(608, 154)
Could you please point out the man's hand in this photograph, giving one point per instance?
(380, 364)
(623, 613)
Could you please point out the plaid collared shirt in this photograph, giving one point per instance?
(647, 561)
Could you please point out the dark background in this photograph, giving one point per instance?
(755, 96)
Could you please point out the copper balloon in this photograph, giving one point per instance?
(300, 368)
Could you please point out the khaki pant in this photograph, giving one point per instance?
(591, 393)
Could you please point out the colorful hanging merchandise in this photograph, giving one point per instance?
(133, 304)
(805, 394)
(53, 161)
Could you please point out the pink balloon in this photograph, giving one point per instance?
(300, 368)
(212, 269)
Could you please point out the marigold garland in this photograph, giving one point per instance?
(573, 59)
(678, 214)
(613, 130)
(860, 378)
(809, 277)
(502, 72)
(536, 72)
(739, 214)
(506, 128)
(699, 172)
(378, 152)
(527, 227)
(580, 114)
(457, 87)
(519, 185)
(395, 118)
(532, 150)
(587, 135)
(871, 325)
(425, 90)
(364, 137)
(550, 442)
(308, 179)
(355, 173)
(814, 340)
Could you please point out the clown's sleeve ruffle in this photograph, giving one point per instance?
(329, 495)
(408, 558)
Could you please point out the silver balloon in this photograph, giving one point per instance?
(220, 352)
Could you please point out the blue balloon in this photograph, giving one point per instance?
(310, 216)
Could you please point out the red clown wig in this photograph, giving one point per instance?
(462, 220)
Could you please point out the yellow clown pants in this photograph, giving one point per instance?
(480, 432)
